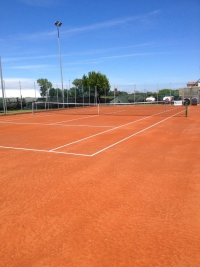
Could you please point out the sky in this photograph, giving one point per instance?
(132, 42)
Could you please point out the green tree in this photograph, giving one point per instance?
(98, 80)
(52, 92)
(77, 82)
(71, 91)
(44, 85)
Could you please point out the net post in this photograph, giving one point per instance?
(186, 110)
(98, 108)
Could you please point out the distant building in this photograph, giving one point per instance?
(191, 84)
(192, 91)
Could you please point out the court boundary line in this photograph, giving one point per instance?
(77, 141)
(98, 152)
(75, 119)
(46, 151)
(130, 136)
(52, 124)
(88, 137)
(32, 117)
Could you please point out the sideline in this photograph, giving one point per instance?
(153, 125)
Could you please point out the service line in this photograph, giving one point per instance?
(91, 136)
(123, 125)
(56, 124)
(130, 136)
(42, 150)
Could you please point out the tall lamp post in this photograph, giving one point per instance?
(58, 24)
(2, 88)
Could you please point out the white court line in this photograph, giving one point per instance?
(51, 124)
(42, 150)
(75, 119)
(16, 118)
(94, 154)
(77, 141)
(153, 125)
(54, 123)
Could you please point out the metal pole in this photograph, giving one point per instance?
(134, 92)
(35, 91)
(95, 95)
(83, 94)
(89, 95)
(20, 93)
(114, 94)
(68, 92)
(75, 95)
(157, 93)
(60, 63)
(32, 107)
(5, 99)
(57, 92)
(2, 88)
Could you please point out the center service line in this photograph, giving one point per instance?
(133, 134)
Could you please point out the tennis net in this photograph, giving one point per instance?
(115, 109)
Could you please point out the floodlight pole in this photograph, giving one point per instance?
(58, 24)
(2, 87)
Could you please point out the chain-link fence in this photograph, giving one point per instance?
(20, 95)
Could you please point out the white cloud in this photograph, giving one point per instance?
(95, 26)
(16, 80)
(111, 23)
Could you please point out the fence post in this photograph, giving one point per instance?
(20, 93)
(4, 108)
(35, 91)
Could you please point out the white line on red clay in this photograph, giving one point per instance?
(46, 151)
(94, 154)
(56, 124)
(77, 141)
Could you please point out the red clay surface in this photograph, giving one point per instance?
(133, 204)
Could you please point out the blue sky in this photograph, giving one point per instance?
(130, 41)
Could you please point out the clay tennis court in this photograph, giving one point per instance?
(96, 190)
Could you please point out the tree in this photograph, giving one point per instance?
(52, 92)
(77, 82)
(44, 85)
(98, 80)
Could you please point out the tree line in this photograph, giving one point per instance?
(96, 81)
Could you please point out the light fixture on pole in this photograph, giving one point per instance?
(58, 24)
